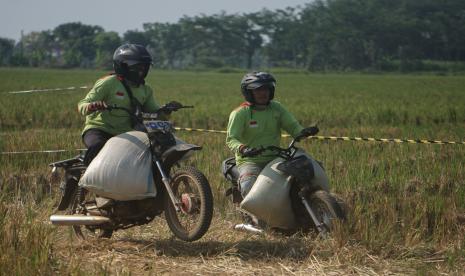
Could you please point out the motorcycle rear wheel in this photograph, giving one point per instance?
(83, 232)
(192, 189)
(326, 208)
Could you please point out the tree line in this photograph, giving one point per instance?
(321, 35)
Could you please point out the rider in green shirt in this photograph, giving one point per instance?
(125, 88)
(111, 91)
(258, 123)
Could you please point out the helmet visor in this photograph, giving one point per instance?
(133, 62)
(256, 85)
(137, 72)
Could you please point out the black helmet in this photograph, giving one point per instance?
(255, 80)
(129, 61)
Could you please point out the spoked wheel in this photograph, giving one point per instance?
(192, 190)
(82, 197)
(326, 209)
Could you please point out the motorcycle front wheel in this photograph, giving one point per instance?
(81, 198)
(326, 208)
(193, 191)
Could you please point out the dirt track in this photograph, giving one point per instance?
(151, 250)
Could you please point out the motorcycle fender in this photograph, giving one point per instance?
(177, 153)
(70, 185)
(300, 167)
(320, 180)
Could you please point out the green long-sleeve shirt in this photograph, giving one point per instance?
(254, 128)
(110, 90)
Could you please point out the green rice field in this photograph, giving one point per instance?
(405, 202)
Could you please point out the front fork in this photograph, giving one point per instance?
(166, 181)
(319, 225)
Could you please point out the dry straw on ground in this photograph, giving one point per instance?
(152, 250)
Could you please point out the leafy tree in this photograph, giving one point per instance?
(6, 50)
(106, 43)
(324, 34)
(246, 36)
(76, 42)
(221, 40)
(136, 37)
(38, 48)
(169, 38)
(285, 35)
(199, 41)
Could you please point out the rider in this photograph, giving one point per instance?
(258, 122)
(124, 88)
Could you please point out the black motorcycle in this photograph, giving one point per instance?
(183, 193)
(312, 205)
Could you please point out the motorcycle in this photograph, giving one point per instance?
(311, 203)
(183, 193)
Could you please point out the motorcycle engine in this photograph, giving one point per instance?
(135, 209)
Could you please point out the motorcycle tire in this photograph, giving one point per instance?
(192, 189)
(67, 192)
(84, 197)
(326, 208)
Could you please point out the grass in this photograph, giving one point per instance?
(405, 201)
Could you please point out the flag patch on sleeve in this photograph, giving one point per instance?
(120, 95)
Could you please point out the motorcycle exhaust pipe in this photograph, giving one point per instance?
(78, 220)
(248, 227)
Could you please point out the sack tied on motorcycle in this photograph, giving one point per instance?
(123, 169)
(269, 199)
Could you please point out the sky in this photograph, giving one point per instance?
(117, 15)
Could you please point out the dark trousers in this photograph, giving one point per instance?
(94, 139)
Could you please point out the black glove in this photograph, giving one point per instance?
(310, 131)
(249, 152)
(172, 106)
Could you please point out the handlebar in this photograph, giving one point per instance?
(285, 153)
(170, 107)
(167, 108)
(279, 151)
